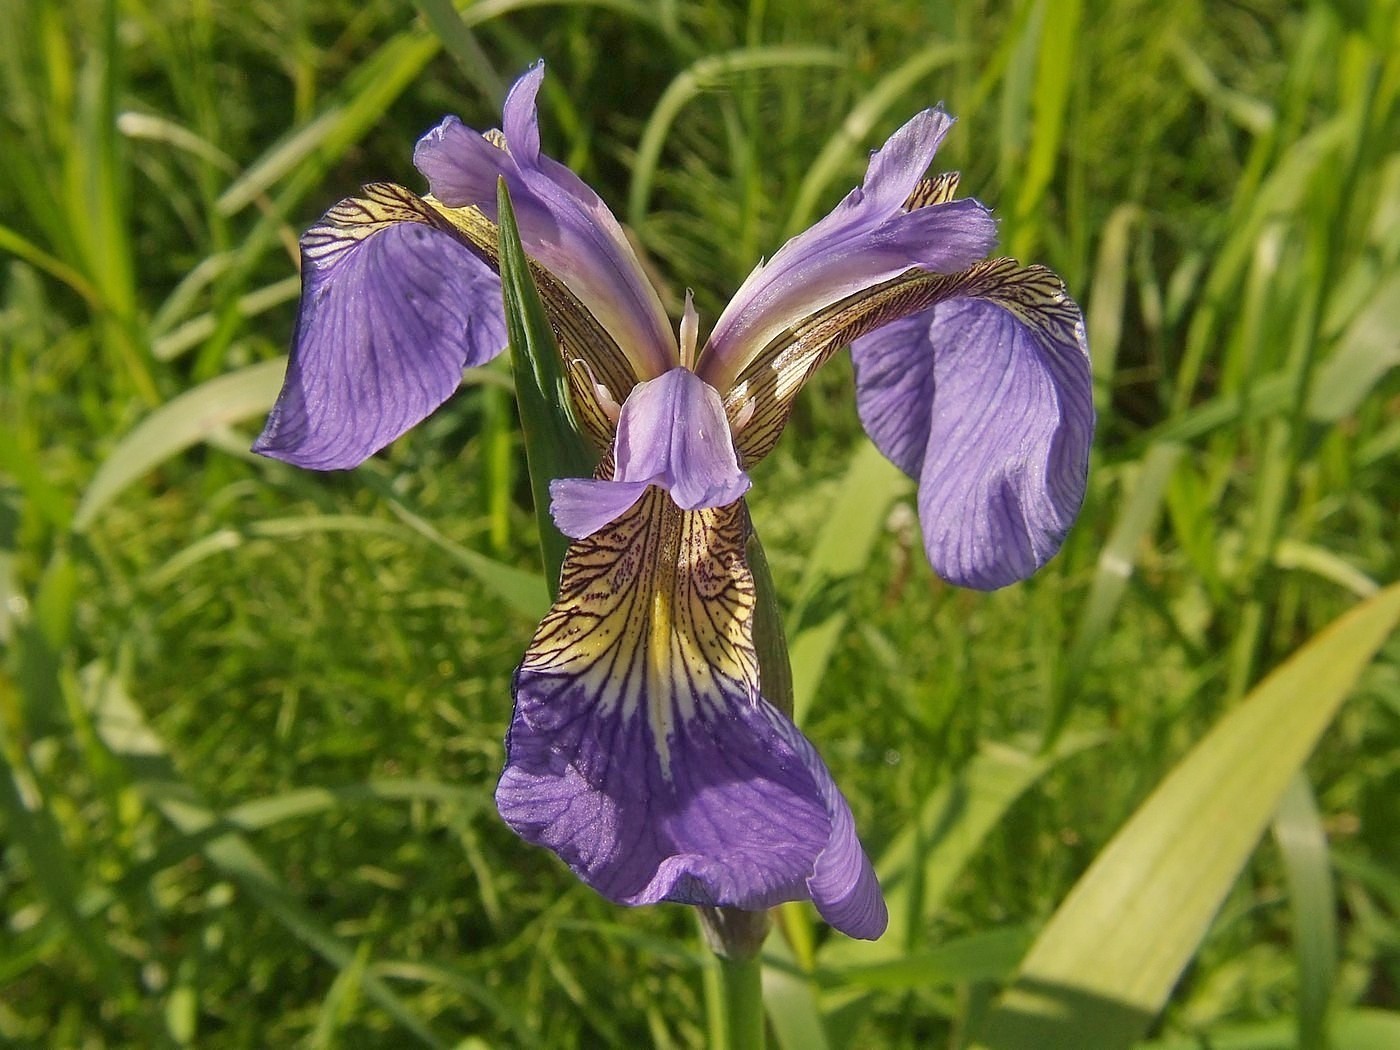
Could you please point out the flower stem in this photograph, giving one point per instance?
(734, 995)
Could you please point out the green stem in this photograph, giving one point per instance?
(734, 993)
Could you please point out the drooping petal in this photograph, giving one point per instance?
(986, 399)
(673, 434)
(393, 307)
(564, 225)
(640, 750)
(868, 238)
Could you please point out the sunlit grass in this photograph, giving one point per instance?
(219, 634)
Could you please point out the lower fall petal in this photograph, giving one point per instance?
(640, 750)
(986, 399)
(393, 307)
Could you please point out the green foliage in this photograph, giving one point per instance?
(250, 717)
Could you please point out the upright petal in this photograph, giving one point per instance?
(564, 225)
(673, 434)
(393, 307)
(986, 399)
(868, 238)
(640, 750)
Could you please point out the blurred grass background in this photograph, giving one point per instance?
(251, 717)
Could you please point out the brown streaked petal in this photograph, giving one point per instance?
(774, 379)
(938, 190)
(581, 338)
(640, 750)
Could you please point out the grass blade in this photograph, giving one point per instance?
(919, 867)
(1103, 966)
(178, 424)
(1307, 865)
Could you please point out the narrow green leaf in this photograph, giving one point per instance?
(790, 1001)
(1054, 69)
(522, 590)
(178, 424)
(1366, 352)
(554, 445)
(1104, 317)
(341, 1001)
(197, 329)
(845, 143)
(12, 242)
(1116, 564)
(991, 955)
(1105, 963)
(1308, 868)
(456, 36)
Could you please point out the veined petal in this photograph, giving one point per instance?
(640, 750)
(596, 366)
(870, 237)
(394, 305)
(673, 434)
(564, 225)
(986, 398)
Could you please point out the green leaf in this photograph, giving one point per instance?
(1351, 1030)
(554, 446)
(1308, 868)
(181, 422)
(790, 1000)
(1105, 963)
(987, 956)
(843, 148)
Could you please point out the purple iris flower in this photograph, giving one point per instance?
(642, 750)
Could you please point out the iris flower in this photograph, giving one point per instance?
(641, 749)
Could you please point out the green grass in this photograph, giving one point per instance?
(250, 717)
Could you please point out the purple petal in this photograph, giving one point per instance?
(582, 506)
(672, 433)
(388, 320)
(868, 238)
(991, 409)
(640, 751)
(564, 225)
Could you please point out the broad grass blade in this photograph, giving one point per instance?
(790, 1001)
(178, 424)
(1105, 963)
(1360, 1029)
(988, 956)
